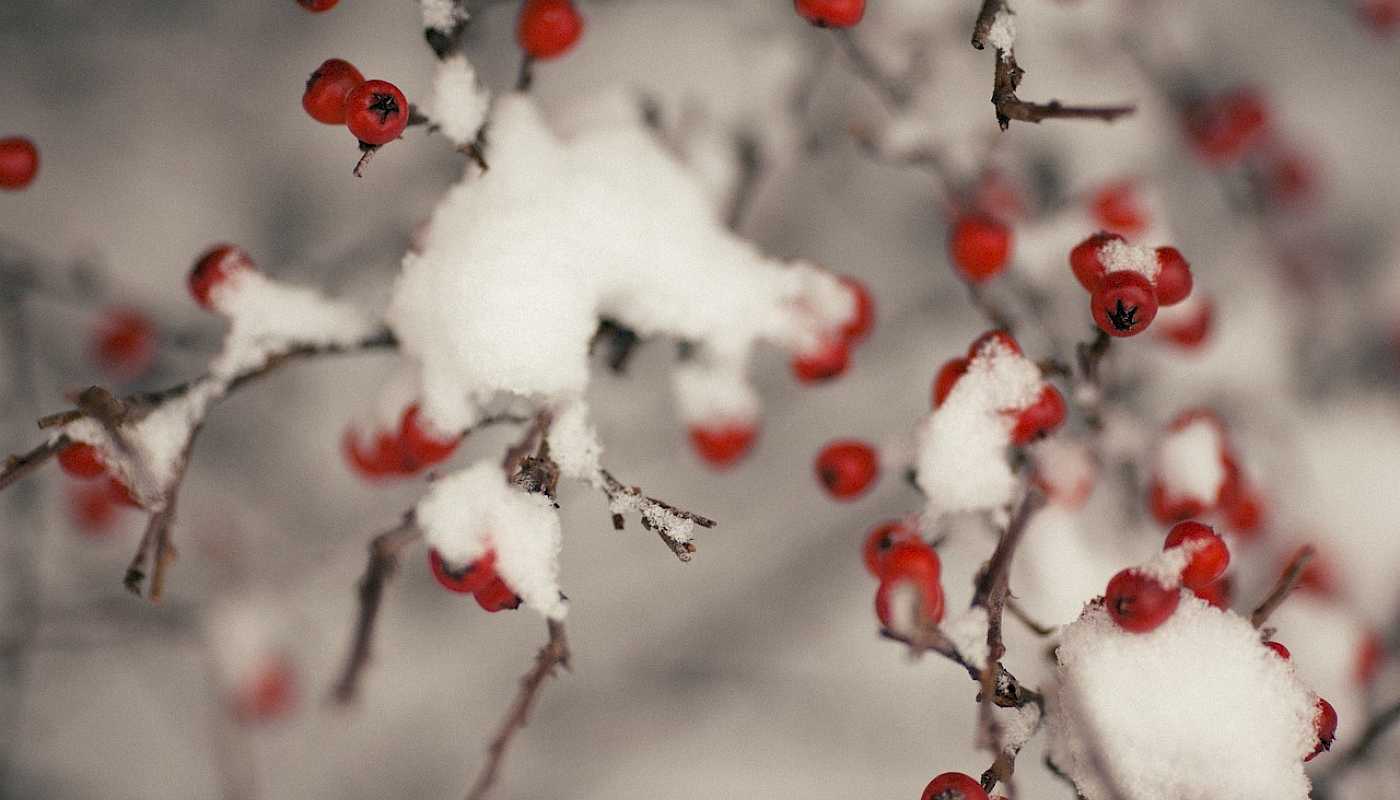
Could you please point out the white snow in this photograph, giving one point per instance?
(442, 15)
(1066, 467)
(469, 512)
(968, 633)
(459, 102)
(1195, 708)
(1002, 34)
(574, 445)
(1119, 256)
(1189, 464)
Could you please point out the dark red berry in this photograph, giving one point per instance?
(829, 360)
(1085, 263)
(830, 13)
(847, 468)
(1279, 650)
(1124, 304)
(954, 786)
(1138, 602)
(1209, 555)
(882, 538)
(1040, 417)
(327, 89)
(980, 246)
(468, 580)
(81, 460)
(548, 28)
(1116, 207)
(214, 269)
(497, 596)
(376, 112)
(721, 447)
(1325, 723)
(19, 162)
(1173, 276)
(859, 325)
(124, 343)
(947, 378)
(317, 6)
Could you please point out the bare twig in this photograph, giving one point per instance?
(18, 466)
(993, 583)
(670, 523)
(384, 552)
(367, 152)
(1007, 690)
(998, 317)
(555, 653)
(894, 92)
(1285, 585)
(1038, 628)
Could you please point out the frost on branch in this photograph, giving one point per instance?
(1195, 708)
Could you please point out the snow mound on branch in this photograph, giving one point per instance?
(442, 15)
(474, 510)
(459, 102)
(519, 264)
(1189, 463)
(1196, 708)
(961, 459)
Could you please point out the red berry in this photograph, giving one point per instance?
(81, 460)
(1190, 332)
(910, 564)
(830, 13)
(317, 6)
(1217, 594)
(954, 786)
(92, 507)
(979, 246)
(1040, 417)
(19, 162)
(1173, 276)
(1005, 339)
(270, 695)
(470, 579)
(846, 468)
(1279, 650)
(376, 112)
(947, 378)
(1209, 555)
(1224, 127)
(124, 343)
(1168, 509)
(882, 538)
(327, 88)
(829, 360)
(419, 447)
(548, 28)
(1381, 16)
(1085, 263)
(1325, 723)
(1137, 602)
(1369, 657)
(382, 458)
(858, 326)
(1124, 304)
(1116, 208)
(214, 269)
(497, 596)
(1239, 502)
(121, 493)
(721, 447)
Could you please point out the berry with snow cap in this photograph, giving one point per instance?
(81, 460)
(722, 446)
(1173, 276)
(954, 786)
(376, 112)
(827, 361)
(947, 378)
(980, 247)
(1138, 602)
(1208, 554)
(469, 579)
(860, 324)
(847, 468)
(1217, 593)
(548, 28)
(910, 565)
(214, 269)
(1325, 723)
(497, 596)
(1279, 650)
(1040, 417)
(1086, 263)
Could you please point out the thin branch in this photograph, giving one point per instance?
(993, 584)
(670, 523)
(894, 92)
(384, 552)
(1038, 628)
(1007, 690)
(997, 316)
(367, 152)
(18, 466)
(1285, 585)
(555, 653)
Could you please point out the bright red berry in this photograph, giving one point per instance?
(1191, 331)
(1124, 304)
(1116, 207)
(548, 28)
(376, 112)
(124, 343)
(81, 460)
(831, 13)
(1003, 338)
(383, 457)
(829, 360)
(19, 162)
(1279, 650)
(1217, 594)
(954, 786)
(846, 468)
(214, 268)
(1085, 263)
(271, 694)
(721, 447)
(327, 88)
(92, 508)
(317, 6)
(1173, 276)
(1137, 602)
(497, 596)
(1325, 723)
(468, 580)
(882, 538)
(421, 447)
(913, 565)
(1209, 555)
(979, 246)
(858, 326)
(947, 378)
(1040, 417)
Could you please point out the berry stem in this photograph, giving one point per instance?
(367, 152)
(384, 552)
(1287, 582)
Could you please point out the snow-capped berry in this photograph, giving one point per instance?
(1209, 555)
(722, 446)
(846, 468)
(420, 446)
(1003, 338)
(911, 564)
(1137, 602)
(92, 508)
(1189, 332)
(1124, 304)
(1170, 508)
(882, 538)
(979, 247)
(1370, 654)
(1117, 208)
(954, 786)
(121, 493)
(81, 460)
(317, 6)
(831, 13)
(497, 596)
(947, 378)
(124, 343)
(214, 268)
(1325, 723)
(1085, 263)
(1173, 276)
(376, 112)
(270, 694)
(327, 89)
(1040, 417)
(859, 325)
(468, 580)
(548, 28)
(1217, 594)
(381, 458)
(1279, 650)
(829, 360)
(19, 162)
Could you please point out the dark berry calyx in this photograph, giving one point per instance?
(1123, 318)
(386, 106)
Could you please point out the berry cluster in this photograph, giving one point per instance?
(1237, 500)
(1140, 600)
(846, 468)
(478, 579)
(830, 13)
(1126, 284)
(833, 353)
(1030, 422)
(909, 596)
(979, 246)
(408, 450)
(94, 502)
(375, 111)
(548, 29)
(19, 163)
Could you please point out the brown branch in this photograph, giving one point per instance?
(993, 584)
(18, 466)
(384, 552)
(1285, 585)
(657, 515)
(367, 152)
(555, 653)
(894, 92)
(1038, 628)
(998, 317)
(1007, 691)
